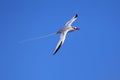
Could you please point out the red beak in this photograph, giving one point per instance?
(77, 28)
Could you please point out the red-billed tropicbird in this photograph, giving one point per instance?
(67, 28)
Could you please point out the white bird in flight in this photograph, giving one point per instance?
(67, 28)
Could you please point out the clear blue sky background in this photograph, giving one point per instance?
(93, 53)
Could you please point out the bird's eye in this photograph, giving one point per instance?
(74, 27)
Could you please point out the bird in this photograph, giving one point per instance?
(66, 29)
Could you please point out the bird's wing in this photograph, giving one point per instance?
(61, 41)
(68, 24)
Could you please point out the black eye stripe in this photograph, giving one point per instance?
(74, 27)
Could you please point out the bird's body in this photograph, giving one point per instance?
(67, 28)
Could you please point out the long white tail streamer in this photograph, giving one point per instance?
(36, 38)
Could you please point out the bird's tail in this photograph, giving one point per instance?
(40, 37)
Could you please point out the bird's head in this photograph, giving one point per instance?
(76, 28)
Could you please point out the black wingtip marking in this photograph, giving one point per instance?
(76, 15)
(57, 48)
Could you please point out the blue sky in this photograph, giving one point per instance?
(92, 53)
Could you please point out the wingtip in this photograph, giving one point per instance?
(76, 15)
(54, 53)
(57, 48)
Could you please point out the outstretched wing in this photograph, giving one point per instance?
(60, 42)
(71, 21)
